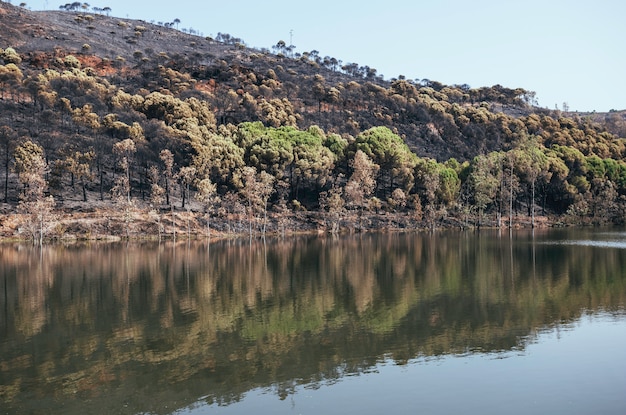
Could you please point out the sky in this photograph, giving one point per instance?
(571, 52)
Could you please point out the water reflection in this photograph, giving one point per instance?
(151, 328)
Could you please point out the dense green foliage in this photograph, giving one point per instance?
(434, 151)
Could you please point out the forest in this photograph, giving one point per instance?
(117, 127)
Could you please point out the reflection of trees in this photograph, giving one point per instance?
(118, 323)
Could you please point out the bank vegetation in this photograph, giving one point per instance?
(145, 130)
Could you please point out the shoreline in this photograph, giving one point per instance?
(106, 225)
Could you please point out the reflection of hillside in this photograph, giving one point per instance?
(143, 326)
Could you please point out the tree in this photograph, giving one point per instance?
(121, 191)
(484, 184)
(362, 182)
(532, 163)
(9, 55)
(85, 116)
(207, 195)
(256, 190)
(398, 199)
(266, 149)
(449, 185)
(428, 179)
(10, 78)
(512, 183)
(603, 205)
(217, 157)
(124, 150)
(278, 112)
(7, 141)
(332, 202)
(496, 161)
(79, 165)
(280, 47)
(319, 91)
(312, 161)
(156, 195)
(389, 151)
(31, 167)
(167, 158)
(265, 188)
(187, 176)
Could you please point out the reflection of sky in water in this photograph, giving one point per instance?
(579, 368)
(601, 240)
(485, 323)
(599, 244)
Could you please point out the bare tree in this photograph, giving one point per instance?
(121, 191)
(168, 175)
(187, 175)
(31, 167)
(125, 150)
(207, 195)
(257, 189)
(156, 196)
(333, 204)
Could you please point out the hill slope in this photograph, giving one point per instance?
(435, 120)
(328, 136)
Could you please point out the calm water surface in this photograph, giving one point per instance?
(475, 323)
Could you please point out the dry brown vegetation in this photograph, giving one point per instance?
(278, 140)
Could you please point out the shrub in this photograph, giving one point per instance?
(9, 55)
(71, 62)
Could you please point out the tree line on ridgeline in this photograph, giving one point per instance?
(263, 142)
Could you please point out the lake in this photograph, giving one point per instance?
(434, 323)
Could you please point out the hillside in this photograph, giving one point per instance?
(99, 99)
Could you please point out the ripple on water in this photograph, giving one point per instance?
(589, 242)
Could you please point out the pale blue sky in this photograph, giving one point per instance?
(566, 51)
